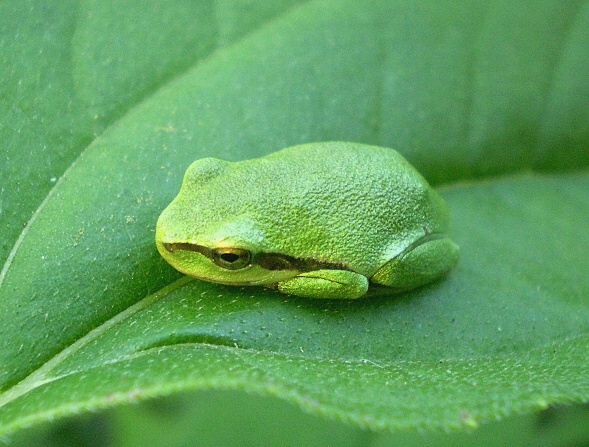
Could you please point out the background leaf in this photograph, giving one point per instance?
(464, 90)
(238, 419)
(70, 69)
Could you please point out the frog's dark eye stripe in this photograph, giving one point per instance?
(187, 246)
(227, 257)
(232, 258)
(276, 261)
(273, 261)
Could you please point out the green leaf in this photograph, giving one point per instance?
(504, 333)
(92, 316)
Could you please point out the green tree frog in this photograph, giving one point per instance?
(320, 220)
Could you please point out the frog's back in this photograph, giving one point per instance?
(347, 199)
(339, 203)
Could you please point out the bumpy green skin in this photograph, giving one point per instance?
(321, 220)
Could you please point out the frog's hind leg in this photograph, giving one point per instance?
(326, 284)
(427, 259)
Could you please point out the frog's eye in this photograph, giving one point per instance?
(231, 258)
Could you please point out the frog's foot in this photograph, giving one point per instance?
(326, 284)
(424, 261)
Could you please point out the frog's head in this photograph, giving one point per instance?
(210, 237)
(229, 254)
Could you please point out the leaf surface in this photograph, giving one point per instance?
(92, 316)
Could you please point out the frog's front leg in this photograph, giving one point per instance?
(326, 284)
(425, 260)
